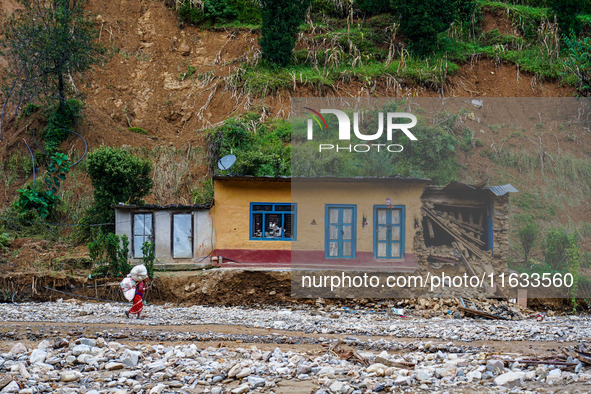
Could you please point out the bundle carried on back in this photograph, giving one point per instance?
(128, 287)
(137, 274)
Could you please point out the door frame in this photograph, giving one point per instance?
(402, 230)
(327, 230)
(172, 214)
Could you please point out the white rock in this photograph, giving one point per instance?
(44, 344)
(130, 358)
(159, 388)
(424, 374)
(375, 368)
(244, 372)
(11, 387)
(37, 356)
(255, 381)
(70, 376)
(234, 370)
(113, 366)
(509, 378)
(554, 376)
(18, 348)
(157, 365)
(86, 359)
(402, 381)
(243, 388)
(474, 375)
(495, 366)
(326, 371)
(81, 349)
(339, 388)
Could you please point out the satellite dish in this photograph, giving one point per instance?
(226, 162)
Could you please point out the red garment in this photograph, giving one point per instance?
(138, 302)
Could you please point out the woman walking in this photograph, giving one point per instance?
(138, 299)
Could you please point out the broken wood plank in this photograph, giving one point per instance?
(430, 228)
(475, 312)
(396, 364)
(546, 362)
(443, 259)
(455, 234)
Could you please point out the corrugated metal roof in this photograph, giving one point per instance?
(502, 189)
(322, 178)
(151, 207)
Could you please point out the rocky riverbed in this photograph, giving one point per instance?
(89, 348)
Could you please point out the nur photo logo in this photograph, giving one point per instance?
(387, 122)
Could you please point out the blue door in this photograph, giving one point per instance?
(388, 232)
(340, 231)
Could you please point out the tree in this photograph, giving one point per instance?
(46, 43)
(373, 7)
(117, 176)
(528, 232)
(567, 12)
(562, 251)
(281, 20)
(421, 21)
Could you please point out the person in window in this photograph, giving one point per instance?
(138, 299)
(275, 230)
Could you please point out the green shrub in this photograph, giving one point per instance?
(187, 74)
(109, 254)
(527, 233)
(5, 240)
(566, 12)
(281, 20)
(29, 110)
(468, 10)
(262, 151)
(373, 7)
(579, 63)
(44, 201)
(59, 122)
(148, 253)
(248, 11)
(558, 248)
(203, 193)
(210, 12)
(421, 21)
(117, 176)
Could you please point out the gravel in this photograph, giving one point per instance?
(135, 358)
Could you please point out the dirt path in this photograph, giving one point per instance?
(234, 336)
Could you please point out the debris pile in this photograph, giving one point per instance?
(459, 307)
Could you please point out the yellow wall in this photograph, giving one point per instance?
(231, 211)
(312, 197)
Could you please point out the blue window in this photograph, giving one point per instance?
(340, 231)
(272, 221)
(388, 240)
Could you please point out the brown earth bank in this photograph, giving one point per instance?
(141, 85)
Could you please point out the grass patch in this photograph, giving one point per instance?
(138, 130)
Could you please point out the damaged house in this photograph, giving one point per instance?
(398, 224)
(465, 224)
